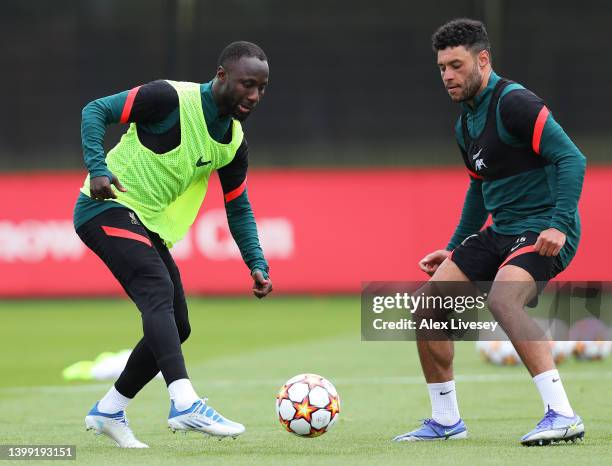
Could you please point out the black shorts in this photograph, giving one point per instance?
(128, 248)
(481, 255)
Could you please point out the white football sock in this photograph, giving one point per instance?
(113, 402)
(552, 392)
(183, 394)
(444, 408)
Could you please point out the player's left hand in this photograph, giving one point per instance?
(550, 242)
(261, 286)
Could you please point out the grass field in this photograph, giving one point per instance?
(241, 351)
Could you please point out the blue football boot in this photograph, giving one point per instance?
(114, 426)
(204, 419)
(431, 430)
(554, 427)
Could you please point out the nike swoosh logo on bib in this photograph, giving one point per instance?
(201, 163)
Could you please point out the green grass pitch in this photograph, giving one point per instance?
(241, 351)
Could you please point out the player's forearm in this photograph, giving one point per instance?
(473, 215)
(96, 115)
(570, 176)
(244, 231)
(558, 148)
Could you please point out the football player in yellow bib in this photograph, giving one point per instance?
(142, 197)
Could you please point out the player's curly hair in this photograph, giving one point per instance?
(236, 50)
(470, 33)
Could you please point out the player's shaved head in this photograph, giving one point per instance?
(241, 79)
(237, 50)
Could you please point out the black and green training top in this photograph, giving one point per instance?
(520, 194)
(154, 107)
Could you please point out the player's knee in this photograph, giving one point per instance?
(184, 330)
(181, 315)
(153, 291)
(500, 306)
(163, 288)
(424, 313)
(418, 315)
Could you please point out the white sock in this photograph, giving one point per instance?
(552, 392)
(444, 408)
(113, 402)
(183, 394)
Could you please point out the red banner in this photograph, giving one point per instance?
(323, 231)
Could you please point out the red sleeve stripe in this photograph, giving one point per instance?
(518, 252)
(122, 233)
(538, 128)
(474, 175)
(235, 192)
(127, 107)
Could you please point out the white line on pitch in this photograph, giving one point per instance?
(340, 381)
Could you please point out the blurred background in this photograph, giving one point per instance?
(355, 176)
(355, 171)
(353, 82)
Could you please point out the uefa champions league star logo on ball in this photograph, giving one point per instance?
(308, 405)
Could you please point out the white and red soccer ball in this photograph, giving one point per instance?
(308, 405)
(592, 338)
(502, 353)
(498, 352)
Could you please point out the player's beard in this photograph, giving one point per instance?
(228, 106)
(238, 115)
(472, 84)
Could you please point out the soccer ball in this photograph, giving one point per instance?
(500, 352)
(561, 350)
(592, 350)
(592, 339)
(308, 405)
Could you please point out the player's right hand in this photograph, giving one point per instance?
(100, 187)
(430, 263)
(261, 285)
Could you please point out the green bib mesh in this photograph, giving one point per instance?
(166, 190)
